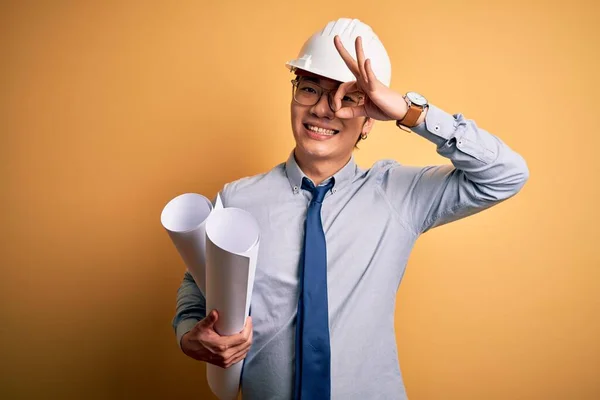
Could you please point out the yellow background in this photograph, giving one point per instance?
(110, 110)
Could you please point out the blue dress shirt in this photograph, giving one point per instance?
(371, 219)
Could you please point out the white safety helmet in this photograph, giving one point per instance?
(319, 55)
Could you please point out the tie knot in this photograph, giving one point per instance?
(318, 192)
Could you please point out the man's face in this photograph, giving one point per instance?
(320, 145)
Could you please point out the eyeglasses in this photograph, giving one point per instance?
(308, 93)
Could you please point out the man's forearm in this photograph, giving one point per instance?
(191, 307)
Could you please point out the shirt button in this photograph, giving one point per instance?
(295, 189)
(436, 128)
(333, 190)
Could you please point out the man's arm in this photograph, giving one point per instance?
(195, 331)
(190, 308)
(484, 172)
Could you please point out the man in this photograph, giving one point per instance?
(335, 238)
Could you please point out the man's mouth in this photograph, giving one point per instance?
(321, 131)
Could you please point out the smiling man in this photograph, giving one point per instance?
(318, 135)
(335, 238)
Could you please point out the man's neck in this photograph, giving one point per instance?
(319, 170)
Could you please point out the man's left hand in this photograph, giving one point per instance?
(381, 103)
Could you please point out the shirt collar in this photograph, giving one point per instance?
(341, 178)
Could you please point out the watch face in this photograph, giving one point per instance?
(416, 98)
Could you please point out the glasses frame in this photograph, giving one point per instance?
(296, 82)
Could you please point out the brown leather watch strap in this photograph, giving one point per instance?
(412, 116)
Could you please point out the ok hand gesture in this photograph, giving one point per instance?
(381, 103)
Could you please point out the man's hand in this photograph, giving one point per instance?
(203, 343)
(381, 102)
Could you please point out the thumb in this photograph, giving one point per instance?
(351, 112)
(210, 319)
(341, 92)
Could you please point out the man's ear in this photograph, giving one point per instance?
(368, 125)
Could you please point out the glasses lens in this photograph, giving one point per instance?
(307, 93)
(352, 99)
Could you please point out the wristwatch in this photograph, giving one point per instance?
(417, 104)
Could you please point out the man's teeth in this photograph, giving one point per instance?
(321, 130)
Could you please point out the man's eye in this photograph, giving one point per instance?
(308, 89)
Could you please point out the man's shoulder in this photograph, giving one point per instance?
(258, 183)
(389, 172)
(385, 164)
(381, 168)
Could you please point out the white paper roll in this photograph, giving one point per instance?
(219, 247)
(232, 242)
(184, 218)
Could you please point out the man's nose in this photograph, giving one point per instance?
(322, 108)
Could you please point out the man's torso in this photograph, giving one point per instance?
(367, 249)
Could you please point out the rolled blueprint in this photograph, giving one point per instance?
(219, 248)
(232, 241)
(184, 218)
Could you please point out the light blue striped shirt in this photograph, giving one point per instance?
(371, 218)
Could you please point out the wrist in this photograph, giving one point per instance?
(404, 108)
(183, 328)
(184, 342)
(415, 110)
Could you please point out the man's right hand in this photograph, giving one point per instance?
(203, 343)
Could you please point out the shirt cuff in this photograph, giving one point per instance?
(184, 327)
(438, 125)
(450, 131)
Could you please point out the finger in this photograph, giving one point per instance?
(239, 338)
(248, 329)
(222, 345)
(235, 360)
(210, 320)
(351, 112)
(360, 56)
(205, 329)
(244, 346)
(350, 62)
(236, 351)
(341, 92)
(371, 75)
(245, 333)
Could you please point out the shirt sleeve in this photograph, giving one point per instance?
(190, 308)
(484, 172)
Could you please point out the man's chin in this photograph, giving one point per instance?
(318, 150)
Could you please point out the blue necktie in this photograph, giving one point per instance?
(313, 354)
